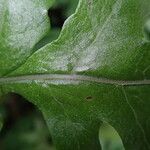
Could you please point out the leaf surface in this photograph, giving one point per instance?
(23, 24)
(98, 70)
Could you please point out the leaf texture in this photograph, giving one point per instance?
(98, 70)
(23, 24)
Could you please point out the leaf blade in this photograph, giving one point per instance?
(108, 45)
(24, 23)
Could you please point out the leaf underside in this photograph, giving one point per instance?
(104, 40)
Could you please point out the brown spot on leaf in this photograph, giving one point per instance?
(89, 98)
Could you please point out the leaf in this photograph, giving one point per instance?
(52, 35)
(109, 138)
(23, 24)
(97, 71)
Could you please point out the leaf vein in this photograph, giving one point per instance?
(69, 78)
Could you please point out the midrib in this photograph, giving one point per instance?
(75, 78)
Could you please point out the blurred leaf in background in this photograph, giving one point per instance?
(52, 35)
(29, 133)
(24, 126)
(1, 125)
(109, 138)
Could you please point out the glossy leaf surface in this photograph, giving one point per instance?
(23, 24)
(97, 71)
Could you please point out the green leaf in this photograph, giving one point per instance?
(23, 24)
(52, 35)
(97, 71)
(109, 138)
